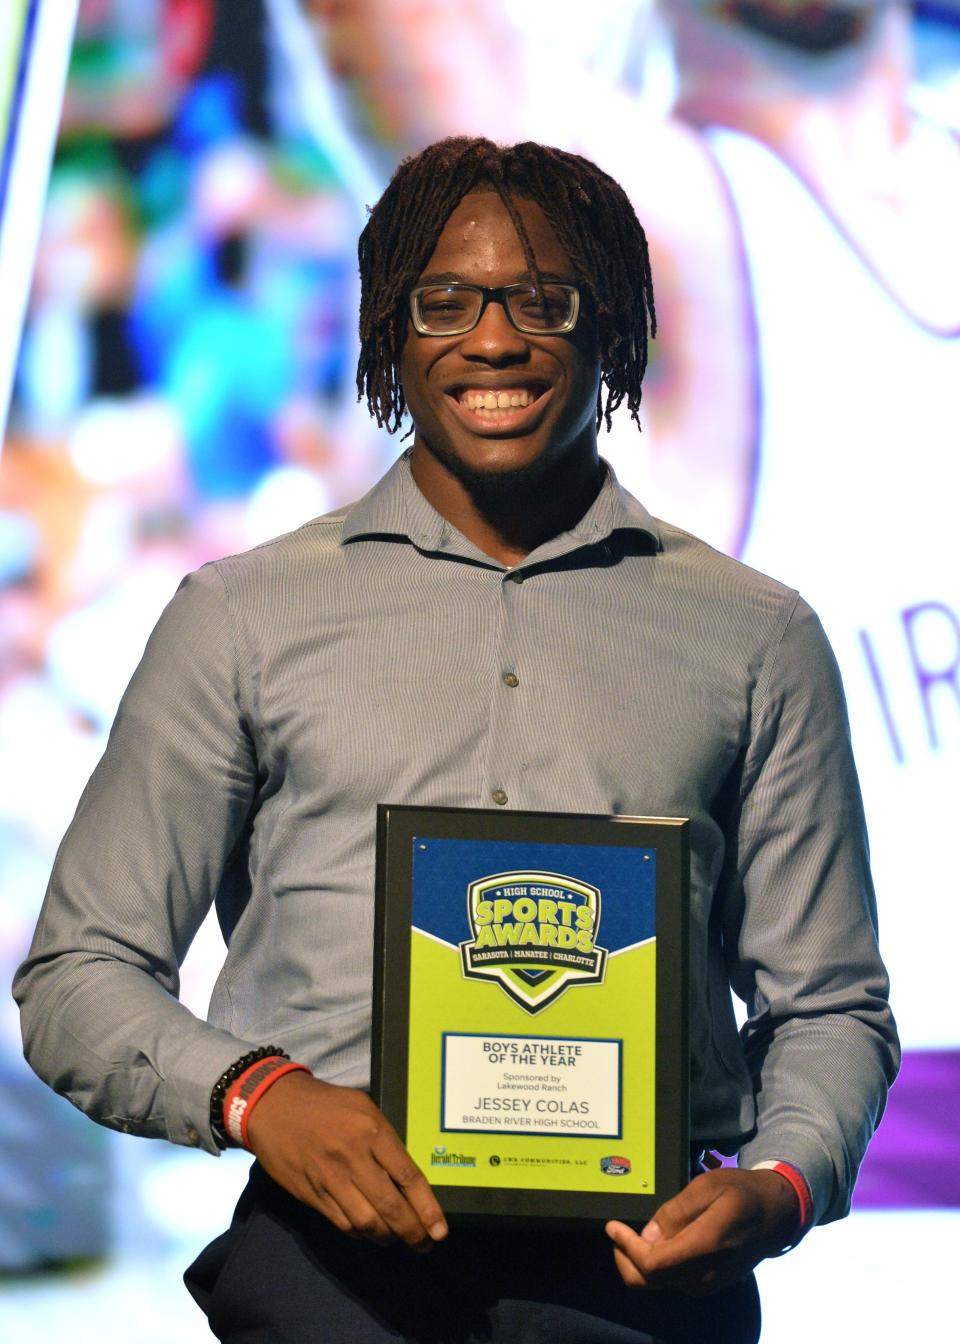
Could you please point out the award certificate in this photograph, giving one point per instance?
(530, 1008)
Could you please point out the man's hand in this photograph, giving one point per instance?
(331, 1148)
(711, 1234)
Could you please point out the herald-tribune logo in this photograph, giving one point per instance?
(534, 934)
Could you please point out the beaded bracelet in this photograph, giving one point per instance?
(219, 1092)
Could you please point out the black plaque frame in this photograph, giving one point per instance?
(398, 826)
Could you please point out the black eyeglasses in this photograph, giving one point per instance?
(453, 310)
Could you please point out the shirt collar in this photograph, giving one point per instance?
(395, 507)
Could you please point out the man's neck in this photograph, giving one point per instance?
(510, 516)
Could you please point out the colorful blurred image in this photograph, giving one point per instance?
(185, 388)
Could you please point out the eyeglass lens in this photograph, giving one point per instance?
(456, 308)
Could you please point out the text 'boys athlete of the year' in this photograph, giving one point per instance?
(498, 623)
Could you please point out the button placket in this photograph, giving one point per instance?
(505, 760)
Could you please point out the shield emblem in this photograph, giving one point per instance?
(534, 934)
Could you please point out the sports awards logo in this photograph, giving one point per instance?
(534, 934)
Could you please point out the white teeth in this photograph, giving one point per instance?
(483, 402)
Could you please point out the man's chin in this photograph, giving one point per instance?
(495, 481)
(491, 487)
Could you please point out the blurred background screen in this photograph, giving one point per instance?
(184, 388)
(35, 41)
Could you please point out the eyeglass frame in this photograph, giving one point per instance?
(497, 295)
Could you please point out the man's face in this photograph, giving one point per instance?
(556, 376)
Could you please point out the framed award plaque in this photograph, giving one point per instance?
(530, 1008)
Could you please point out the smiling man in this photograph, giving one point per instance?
(502, 380)
(496, 624)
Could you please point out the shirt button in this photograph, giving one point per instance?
(192, 1135)
(499, 797)
(511, 679)
(516, 576)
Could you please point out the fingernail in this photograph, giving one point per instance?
(438, 1230)
(651, 1232)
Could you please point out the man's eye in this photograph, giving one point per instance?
(546, 306)
(441, 307)
(546, 312)
(551, 306)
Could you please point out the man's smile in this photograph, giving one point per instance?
(503, 409)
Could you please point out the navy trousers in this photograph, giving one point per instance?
(283, 1275)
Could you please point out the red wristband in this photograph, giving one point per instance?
(244, 1093)
(800, 1188)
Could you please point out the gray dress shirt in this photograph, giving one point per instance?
(364, 658)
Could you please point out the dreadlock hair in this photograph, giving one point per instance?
(590, 214)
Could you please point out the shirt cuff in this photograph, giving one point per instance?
(187, 1094)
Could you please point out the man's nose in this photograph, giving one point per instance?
(494, 338)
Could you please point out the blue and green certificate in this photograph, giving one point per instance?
(530, 1008)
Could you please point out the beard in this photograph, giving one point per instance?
(493, 490)
(565, 468)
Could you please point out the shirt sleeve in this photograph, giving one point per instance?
(135, 875)
(820, 1041)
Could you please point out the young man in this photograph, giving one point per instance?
(802, 203)
(496, 624)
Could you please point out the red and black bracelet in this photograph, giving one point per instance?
(233, 1075)
(244, 1093)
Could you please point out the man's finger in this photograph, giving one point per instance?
(683, 1209)
(357, 1172)
(685, 1261)
(625, 1245)
(319, 1198)
(628, 1270)
(364, 1216)
(332, 1211)
(694, 1279)
(378, 1186)
(407, 1177)
(690, 1246)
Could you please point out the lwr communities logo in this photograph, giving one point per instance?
(534, 934)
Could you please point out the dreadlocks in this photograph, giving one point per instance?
(590, 214)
